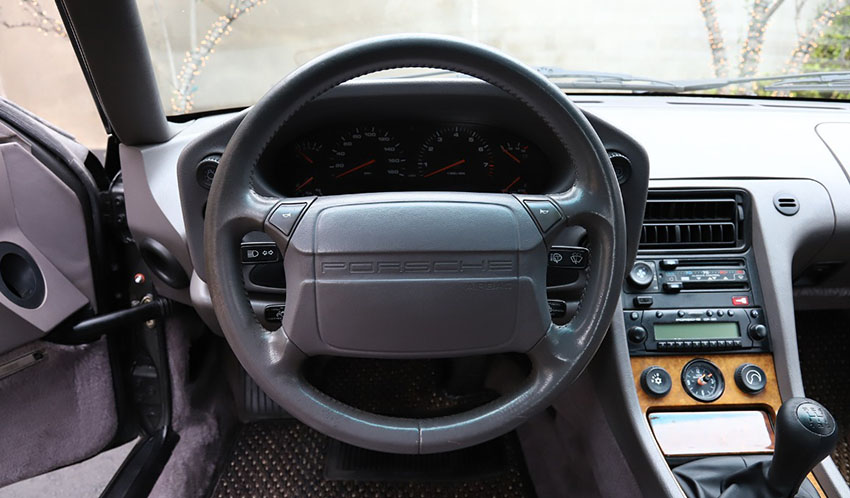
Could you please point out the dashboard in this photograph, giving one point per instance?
(405, 156)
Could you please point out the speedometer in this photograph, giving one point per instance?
(363, 157)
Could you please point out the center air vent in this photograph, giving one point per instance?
(693, 220)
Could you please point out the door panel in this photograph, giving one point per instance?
(57, 401)
(40, 217)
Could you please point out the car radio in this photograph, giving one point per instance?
(694, 305)
(692, 330)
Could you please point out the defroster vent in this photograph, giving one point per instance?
(694, 220)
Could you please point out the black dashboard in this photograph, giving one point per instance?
(406, 156)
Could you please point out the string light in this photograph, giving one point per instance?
(197, 58)
(42, 21)
(808, 42)
(715, 37)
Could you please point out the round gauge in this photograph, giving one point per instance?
(365, 155)
(507, 173)
(302, 158)
(703, 380)
(454, 158)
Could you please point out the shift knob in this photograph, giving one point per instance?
(805, 434)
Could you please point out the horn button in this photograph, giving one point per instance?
(435, 278)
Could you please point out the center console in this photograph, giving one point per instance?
(698, 329)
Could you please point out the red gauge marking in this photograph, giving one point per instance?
(506, 151)
(306, 182)
(444, 168)
(352, 170)
(511, 184)
(305, 156)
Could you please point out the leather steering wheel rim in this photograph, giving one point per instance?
(274, 360)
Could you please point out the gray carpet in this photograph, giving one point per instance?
(56, 412)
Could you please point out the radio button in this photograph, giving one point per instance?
(634, 315)
(737, 343)
(688, 344)
(681, 314)
(731, 312)
(678, 344)
(758, 332)
(754, 313)
(643, 301)
(669, 264)
(720, 313)
(637, 334)
(712, 344)
(672, 287)
(709, 313)
(659, 314)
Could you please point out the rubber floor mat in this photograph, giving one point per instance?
(288, 459)
(823, 340)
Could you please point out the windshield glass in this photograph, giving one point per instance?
(214, 54)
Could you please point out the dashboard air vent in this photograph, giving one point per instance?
(693, 220)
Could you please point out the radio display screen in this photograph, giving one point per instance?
(696, 331)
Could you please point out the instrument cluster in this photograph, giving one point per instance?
(406, 157)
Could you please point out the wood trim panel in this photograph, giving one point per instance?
(732, 398)
(677, 399)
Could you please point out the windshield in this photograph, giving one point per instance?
(214, 54)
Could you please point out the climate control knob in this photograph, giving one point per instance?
(641, 275)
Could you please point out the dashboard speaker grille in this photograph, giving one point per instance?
(693, 220)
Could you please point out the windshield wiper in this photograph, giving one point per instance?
(595, 80)
(834, 80)
(581, 80)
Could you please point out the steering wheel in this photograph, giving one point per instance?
(415, 274)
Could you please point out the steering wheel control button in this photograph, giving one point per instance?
(545, 214)
(557, 308)
(284, 216)
(750, 378)
(259, 253)
(636, 334)
(641, 275)
(569, 257)
(655, 381)
(274, 312)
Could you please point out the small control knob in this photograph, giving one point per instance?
(636, 334)
(205, 171)
(750, 378)
(641, 275)
(758, 332)
(655, 381)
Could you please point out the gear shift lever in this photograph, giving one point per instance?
(805, 435)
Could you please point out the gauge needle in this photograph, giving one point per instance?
(352, 170)
(703, 379)
(506, 151)
(444, 168)
(305, 156)
(306, 182)
(511, 184)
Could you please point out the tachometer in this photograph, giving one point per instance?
(454, 158)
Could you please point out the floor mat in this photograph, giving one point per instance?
(823, 340)
(288, 459)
